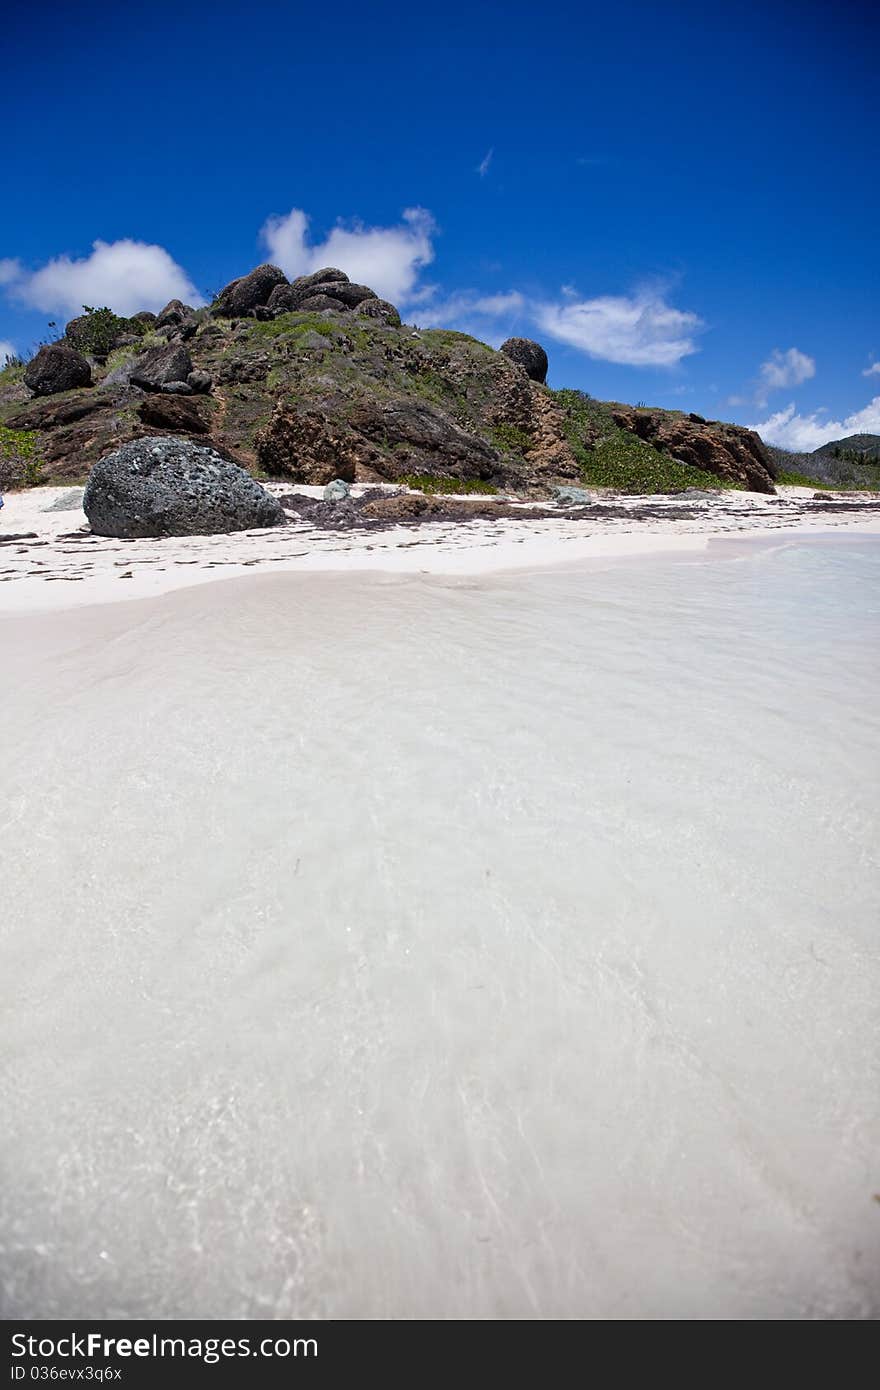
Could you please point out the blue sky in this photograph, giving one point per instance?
(680, 201)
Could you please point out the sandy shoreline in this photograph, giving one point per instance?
(49, 559)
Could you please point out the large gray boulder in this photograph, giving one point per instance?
(160, 486)
(174, 313)
(57, 367)
(241, 296)
(320, 277)
(160, 365)
(528, 355)
(380, 309)
(348, 294)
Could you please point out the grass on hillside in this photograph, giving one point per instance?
(628, 464)
(788, 478)
(20, 462)
(614, 458)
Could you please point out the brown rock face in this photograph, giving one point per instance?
(307, 446)
(729, 451)
(179, 414)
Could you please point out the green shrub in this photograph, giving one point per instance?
(510, 438)
(788, 478)
(626, 463)
(20, 464)
(98, 330)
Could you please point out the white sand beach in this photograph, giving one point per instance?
(58, 562)
(420, 941)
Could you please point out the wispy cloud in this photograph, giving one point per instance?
(873, 370)
(803, 433)
(483, 166)
(639, 330)
(783, 370)
(124, 275)
(388, 259)
(7, 349)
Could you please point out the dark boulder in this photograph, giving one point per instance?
(175, 413)
(57, 367)
(380, 309)
(160, 365)
(177, 388)
(146, 319)
(240, 296)
(161, 486)
(318, 303)
(200, 382)
(319, 277)
(284, 299)
(175, 312)
(347, 294)
(528, 355)
(332, 284)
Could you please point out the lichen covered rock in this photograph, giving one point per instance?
(162, 486)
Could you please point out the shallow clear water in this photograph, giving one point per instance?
(386, 947)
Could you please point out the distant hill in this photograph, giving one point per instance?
(856, 444)
(845, 463)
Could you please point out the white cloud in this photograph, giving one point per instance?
(803, 433)
(124, 275)
(10, 270)
(637, 331)
(7, 349)
(873, 370)
(782, 369)
(483, 166)
(388, 259)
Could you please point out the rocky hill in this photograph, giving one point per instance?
(318, 379)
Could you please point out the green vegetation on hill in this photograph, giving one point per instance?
(96, 332)
(20, 462)
(831, 468)
(615, 458)
(626, 463)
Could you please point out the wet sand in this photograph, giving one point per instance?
(447, 946)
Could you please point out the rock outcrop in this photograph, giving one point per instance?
(160, 366)
(174, 313)
(178, 414)
(528, 355)
(731, 452)
(240, 297)
(57, 367)
(161, 486)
